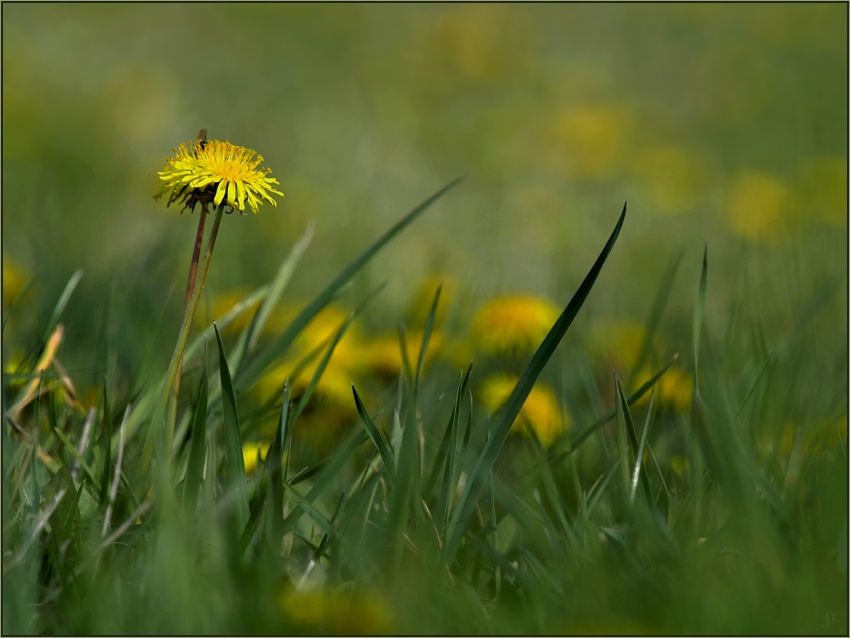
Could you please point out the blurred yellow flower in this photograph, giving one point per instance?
(383, 354)
(420, 305)
(223, 302)
(674, 389)
(618, 343)
(217, 172)
(539, 413)
(590, 141)
(509, 324)
(14, 281)
(680, 465)
(253, 453)
(330, 611)
(480, 43)
(756, 205)
(822, 191)
(671, 177)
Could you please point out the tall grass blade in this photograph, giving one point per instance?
(274, 516)
(59, 308)
(234, 465)
(509, 413)
(255, 369)
(195, 467)
(278, 285)
(375, 434)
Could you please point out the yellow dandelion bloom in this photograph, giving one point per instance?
(618, 343)
(217, 172)
(671, 177)
(590, 141)
(325, 610)
(383, 354)
(756, 205)
(14, 281)
(539, 413)
(674, 389)
(253, 453)
(512, 323)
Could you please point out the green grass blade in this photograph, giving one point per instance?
(274, 516)
(195, 467)
(59, 308)
(374, 434)
(234, 465)
(426, 337)
(320, 369)
(449, 476)
(278, 285)
(662, 296)
(639, 456)
(469, 498)
(633, 397)
(698, 311)
(255, 369)
(329, 471)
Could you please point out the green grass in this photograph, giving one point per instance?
(426, 516)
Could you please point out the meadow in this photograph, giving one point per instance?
(540, 326)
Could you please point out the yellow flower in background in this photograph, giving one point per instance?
(756, 205)
(509, 324)
(618, 343)
(539, 413)
(671, 176)
(822, 190)
(253, 453)
(590, 141)
(332, 611)
(479, 43)
(217, 172)
(14, 281)
(420, 304)
(383, 353)
(673, 390)
(223, 302)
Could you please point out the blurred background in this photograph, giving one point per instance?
(722, 125)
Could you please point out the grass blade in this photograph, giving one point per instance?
(63, 301)
(639, 456)
(374, 434)
(256, 368)
(278, 285)
(520, 393)
(274, 517)
(195, 467)
(233, 463)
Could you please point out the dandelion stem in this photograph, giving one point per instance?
(190, 289)
(177, 357)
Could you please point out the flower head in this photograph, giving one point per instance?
(217, 172)
(511, 324)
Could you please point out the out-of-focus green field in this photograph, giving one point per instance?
(724, 127)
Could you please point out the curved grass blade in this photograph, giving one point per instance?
(255, 369)
(375, 434)
(195, 467)
(658, 306)
(469, 498)
(639, 456)
(426, 337)
(633, 397)
(278, 285)
(63, 301)
(234, 465)
(274, 516)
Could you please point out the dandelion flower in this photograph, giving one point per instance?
(539, 413)
(217, 172)
(756, 205)
(252, 453)
(511, 324)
